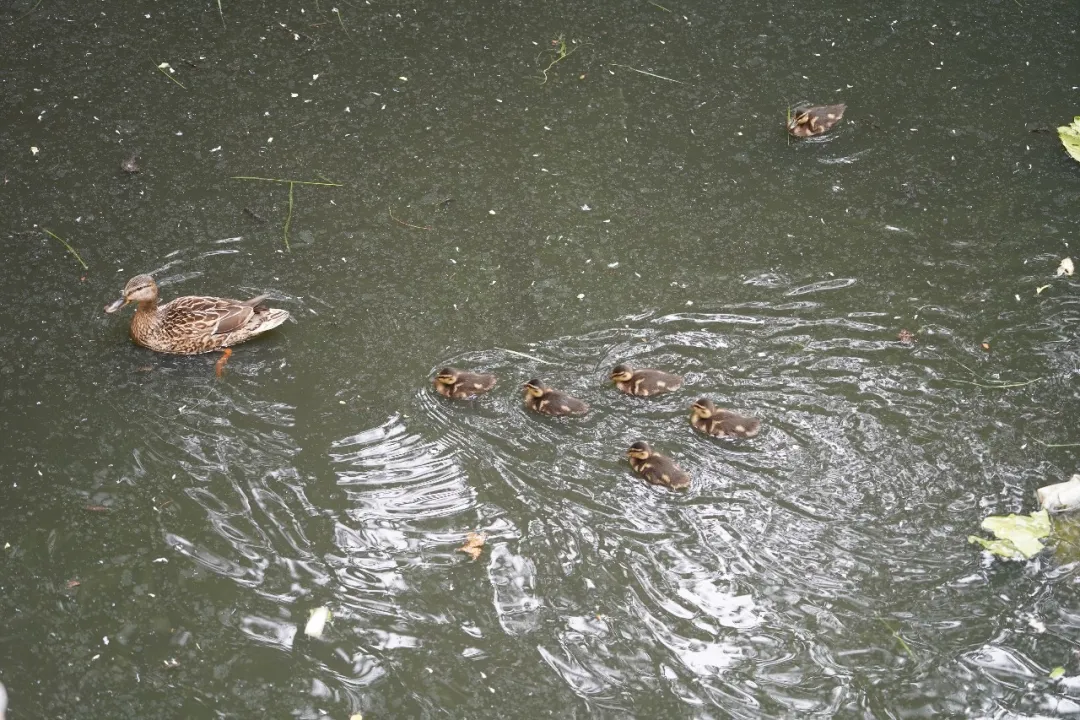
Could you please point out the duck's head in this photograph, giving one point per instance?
(447, 376)
(621, 373)
(139, 289)
(639, 450)
(703, 408)
(535, 388)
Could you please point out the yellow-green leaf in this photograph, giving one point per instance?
(1057, 672)
(1070, 138)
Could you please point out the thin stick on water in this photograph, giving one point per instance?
(162, 71)
(27, 13)
(996, 385)
(342, 23)
(288, 218)
(1056, 445)
(292, 184)
(222, 14)
(280, 180)
(402, 222)
(70, 249)
(521, 354)
(658, 5)
(645, 72)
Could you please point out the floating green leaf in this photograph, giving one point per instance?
(1057, 672)
(1017, 535)
(1070, 138)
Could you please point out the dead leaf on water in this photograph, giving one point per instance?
(474, 544)
(73, 584)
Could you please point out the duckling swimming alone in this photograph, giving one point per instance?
(811, 121)
(460, 384)
(644, 382)
(655, 468)
(196, 323)
(705, 416)
(547, 401)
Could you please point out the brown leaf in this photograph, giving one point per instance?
(906, 336)
(986, 347)
(73, 584)
(219, 369)
(474, 544)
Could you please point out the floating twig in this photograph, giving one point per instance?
(658, 5)
(1056, 445)
(645, 72)
(560, 55)
(288, 218)
(70, 249)
(161, 70)
(900, 639)
(291, 184)
(338, 13)
(254, 215)
(222, 14)
(997, 385)
(402, 222)
(521, 354)
(28, 13)
(279, 180)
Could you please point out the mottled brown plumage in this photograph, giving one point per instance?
(705, 416)
(547, 401)
(459, 384)
(644, 382)
(193, 324)
(655, 468)
(811, 121)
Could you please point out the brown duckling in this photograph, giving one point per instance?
(655, 468)
(644, 382)
(460, 384)
(548, 401)
(705, 416)
(811, 121)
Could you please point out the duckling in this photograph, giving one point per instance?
(811, 121)
(655, 468)
(705, 416)
(460, 384)
(644, 382)
(547, 401)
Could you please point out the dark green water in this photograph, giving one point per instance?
(819, 570)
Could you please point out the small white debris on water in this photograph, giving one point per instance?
(402, 78)
(105, 639)
(270, 139)
(179, 133)
(317, 622)
(581, 296)
(295, 94)
(161, 560)
(491, 212)
(34, 150)
(689, 302)
(347, 109)
(315, 77)
(613, 264)
(586, 208)
(216, 149)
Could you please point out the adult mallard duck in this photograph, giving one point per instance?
(644, 382)
(459, 384)
(655, 468)
(548, 401)
(193, 324)
(707, 418)
(811, 121)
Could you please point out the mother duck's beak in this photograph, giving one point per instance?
(111, 308)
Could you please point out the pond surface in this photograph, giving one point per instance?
(167, 532)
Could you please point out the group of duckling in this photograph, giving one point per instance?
(198, 324)
(653, 467)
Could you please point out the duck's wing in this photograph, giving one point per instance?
(199, 315)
